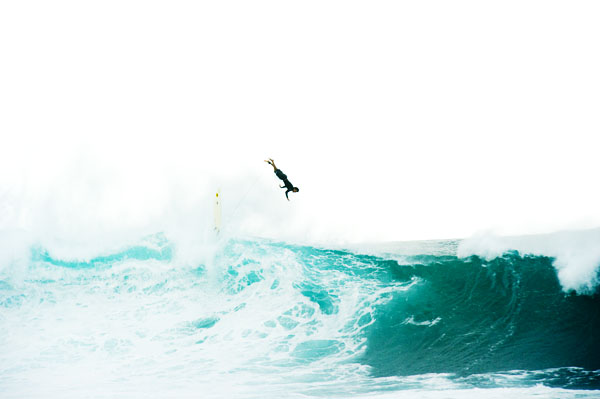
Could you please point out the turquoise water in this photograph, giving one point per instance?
(259, 318)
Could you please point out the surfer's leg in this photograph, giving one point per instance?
(272, 163)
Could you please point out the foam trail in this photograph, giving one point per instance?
(576, 254)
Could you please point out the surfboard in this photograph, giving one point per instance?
(217, 212)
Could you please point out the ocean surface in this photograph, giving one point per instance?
(260, 318)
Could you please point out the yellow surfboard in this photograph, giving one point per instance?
(217, 212)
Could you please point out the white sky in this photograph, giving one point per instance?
(397, 120)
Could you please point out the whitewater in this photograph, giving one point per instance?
(249, 317)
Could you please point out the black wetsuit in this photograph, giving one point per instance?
(288, 185)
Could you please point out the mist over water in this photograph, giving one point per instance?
(115, 284)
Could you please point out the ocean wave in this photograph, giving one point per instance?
(300, 318)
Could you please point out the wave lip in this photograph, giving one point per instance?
(574, 254)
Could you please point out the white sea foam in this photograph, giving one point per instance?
(576, 254)
(145, 328)
(427, 323)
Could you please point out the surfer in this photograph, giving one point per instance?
(282, 176)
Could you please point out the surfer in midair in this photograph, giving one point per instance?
(282, 176)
